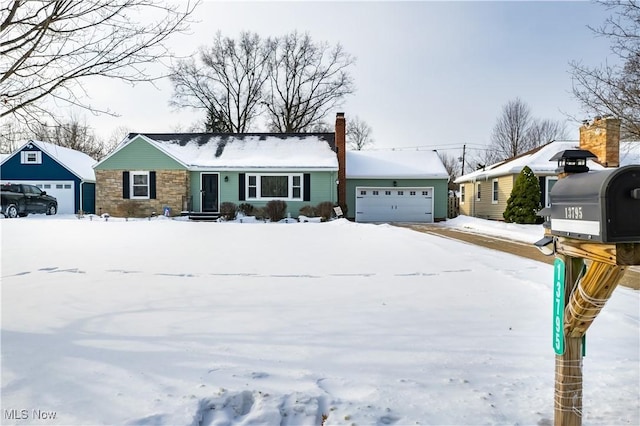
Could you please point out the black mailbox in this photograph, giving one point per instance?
(601, 206)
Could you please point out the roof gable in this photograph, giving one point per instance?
(140, 152)
(246, 150)
(537, 159)
(395, 164)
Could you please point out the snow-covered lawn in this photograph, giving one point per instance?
(168, 322)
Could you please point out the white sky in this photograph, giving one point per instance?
(433, 74)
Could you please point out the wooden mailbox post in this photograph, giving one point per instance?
(595, 232)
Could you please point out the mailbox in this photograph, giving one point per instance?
(601, 206)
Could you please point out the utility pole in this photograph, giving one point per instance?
(464, 152)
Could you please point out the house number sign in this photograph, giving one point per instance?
(558, 306)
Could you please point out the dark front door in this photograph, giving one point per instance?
(209, 192)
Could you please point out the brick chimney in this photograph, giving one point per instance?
(341, 148)
(602, 138)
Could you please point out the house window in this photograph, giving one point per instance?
(412, 192)
(140, 185)
(363, 192)
(287, 187)
(494, 192)
(296, 187)
(478, 192)
(376, 193)
(461, 194)
(400, 192)
(31, 157)
(387, 192)
(551, 180)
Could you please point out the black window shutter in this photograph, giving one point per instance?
(543, 190)
(125, 185)
(306, 190)
(152, 185)
(241, 195)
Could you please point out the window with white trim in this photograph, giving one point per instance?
(139, 182)
(31, 157)
(478, 192)
(462, 193)
(274, 186)
(551, 180)
(494, 191)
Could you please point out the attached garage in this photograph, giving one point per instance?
(396, 186)
(394, 204)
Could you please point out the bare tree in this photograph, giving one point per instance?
(72, 134)
(228, 85)
(50, 47)
(358, 134)
(307, 80)
(452, 166)
(614, 89)
(12, 135)
(516, 132)
(541, 132)
(508, 136)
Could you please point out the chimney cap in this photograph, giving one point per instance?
(573, 154)
(340, 114)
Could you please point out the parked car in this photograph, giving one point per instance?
(20, 200)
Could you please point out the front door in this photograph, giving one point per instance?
(209, 192)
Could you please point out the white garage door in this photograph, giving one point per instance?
(394, 204)
(62, 190)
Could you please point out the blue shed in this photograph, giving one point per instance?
(62, 172)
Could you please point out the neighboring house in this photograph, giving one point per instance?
(484, 193)
(195, 172)
(396, 186)
(64, 173)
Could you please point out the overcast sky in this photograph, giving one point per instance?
(428, 74)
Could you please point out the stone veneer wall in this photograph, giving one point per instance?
(171, 187)
(602, 138)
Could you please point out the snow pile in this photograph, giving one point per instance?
(511, 231)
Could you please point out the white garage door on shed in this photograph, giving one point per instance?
(61, 189)
(394, 204)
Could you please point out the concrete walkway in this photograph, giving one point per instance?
(631, 278)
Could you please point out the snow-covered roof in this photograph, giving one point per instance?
(247, 151)
(629, 153)
(537, 160)
(414, 164)
(76, 162)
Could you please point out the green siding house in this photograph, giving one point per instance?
(194, 173)
(182, 173)
(396, 186)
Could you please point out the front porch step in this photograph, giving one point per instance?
(201, 216)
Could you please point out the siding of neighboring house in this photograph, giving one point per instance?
(494, 210)
(321, 184)
(440, 192)
(49, 170)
